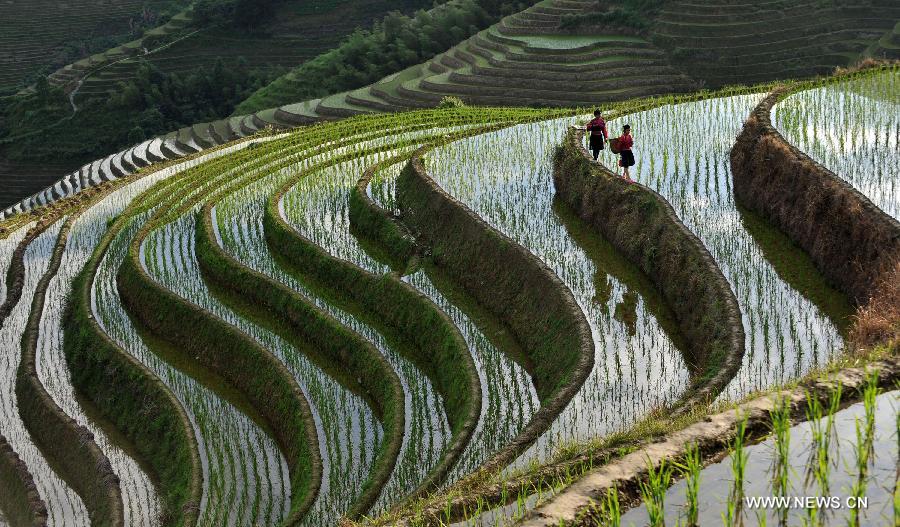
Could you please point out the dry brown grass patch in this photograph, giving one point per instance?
(878, 321)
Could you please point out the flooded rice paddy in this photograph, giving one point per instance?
(852, 128)
(792, 325)
(506, 178)
(840, 480)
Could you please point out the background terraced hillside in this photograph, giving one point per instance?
(36, 35)
(725, 42)
(585, 52)
(289, 35)
(527, 59)
(194, 68)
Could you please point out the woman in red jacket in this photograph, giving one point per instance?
(625, 144)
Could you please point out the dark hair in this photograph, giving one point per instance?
(626, 127)
(597, 113)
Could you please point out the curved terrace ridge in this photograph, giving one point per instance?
(69, 445)
(529, 298)
(231, 354)
(20, 501)
(129, 395)
(643, 226)
(851, 241)
(337, 348)
(427, 334)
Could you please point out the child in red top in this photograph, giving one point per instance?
(625, 144)
(597, 128)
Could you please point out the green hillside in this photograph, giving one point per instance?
(289, 34)
(38, 35)
(584, 52)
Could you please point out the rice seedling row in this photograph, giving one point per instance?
(426, 427)
(506, 178)
(141, 503)
(352, 435)
(508, 396)
(64, 506)
(223, 433)
(853, 129)
(856, 463)
(283, 159)
(318, 208)
(240, 234)
(7, 247)
(231, 444)
(682, 153)
(240, 231)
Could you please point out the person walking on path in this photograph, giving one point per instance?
(627, 157)
(598, 135)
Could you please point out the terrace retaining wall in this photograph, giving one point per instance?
(68, 445)
(642, 225)
(374, 223)
(427, 335)
(851, 241)
(238, 359)
(512, 285)
(19, 498)
(15, 274)
(343, 353)
(134, 400)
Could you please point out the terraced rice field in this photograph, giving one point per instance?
(791, 326)
(304, 326)
(637, 364)
(725, 42)
(852, 129)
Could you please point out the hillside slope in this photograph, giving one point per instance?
(292, 34)
(34, 34)
(525, 60)
(539, 58)
(724, 42)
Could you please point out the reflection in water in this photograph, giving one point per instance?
(626, 311)
(683, 153)
(638, 367)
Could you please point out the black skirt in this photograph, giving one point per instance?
(627, 158)
(596, 142)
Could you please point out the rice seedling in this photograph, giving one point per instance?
(653, 492)
(781, 424)
(691, 467)
(739, 457)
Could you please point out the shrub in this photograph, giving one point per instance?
(451, 102)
